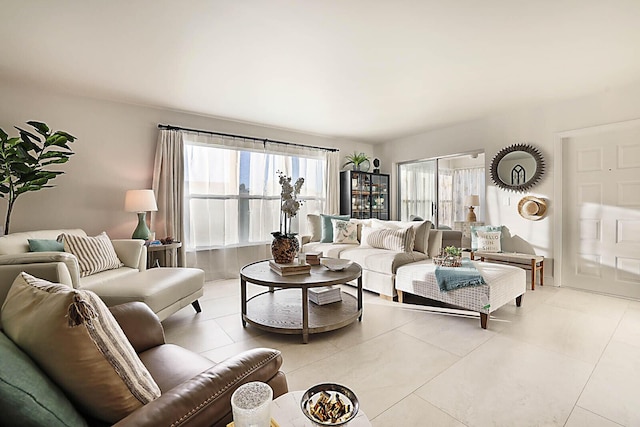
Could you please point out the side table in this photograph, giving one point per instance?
(166, 255)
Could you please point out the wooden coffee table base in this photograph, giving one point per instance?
(285, 308)
(281, 311)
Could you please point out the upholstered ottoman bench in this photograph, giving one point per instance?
(164, 290)
(504, 283)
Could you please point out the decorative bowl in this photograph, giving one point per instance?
(335, 391)
(335, 264)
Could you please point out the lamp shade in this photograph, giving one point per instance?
(473, 200)
(140, 201)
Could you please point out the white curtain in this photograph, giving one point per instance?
(168, 187)
(467, 182)
(233, 198)
(332, 188)
(417, 187)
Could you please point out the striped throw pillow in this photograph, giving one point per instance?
(75, 339)
(95, 254)
(393, 239)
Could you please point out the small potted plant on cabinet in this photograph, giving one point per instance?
(359, 161)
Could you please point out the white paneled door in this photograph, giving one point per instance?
(601, 211)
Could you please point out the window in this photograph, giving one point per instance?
(232, 194)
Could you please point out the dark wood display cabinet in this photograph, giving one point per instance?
(364, 195)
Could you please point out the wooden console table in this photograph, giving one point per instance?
(526, 261)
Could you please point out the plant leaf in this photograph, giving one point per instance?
(40, 127)
(51, 154)
(29, 134)
(57, 161)
(70, 137)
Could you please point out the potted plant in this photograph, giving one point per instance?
(453, 251)
(452, 257)
(358, 160)
(23, 161)
(284, 246)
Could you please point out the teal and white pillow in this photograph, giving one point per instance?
(489, 228)
(345, 232)
(489, 241)
(327, 227)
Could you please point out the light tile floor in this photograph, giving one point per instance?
(565, 358)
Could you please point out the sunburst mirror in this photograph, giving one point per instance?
(517, 167)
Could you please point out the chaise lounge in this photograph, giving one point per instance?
(164, 290)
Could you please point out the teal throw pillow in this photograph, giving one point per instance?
(27, 396)
(327, 228)
(45, 245)
(474, 234)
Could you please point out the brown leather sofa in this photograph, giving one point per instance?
(195, 390)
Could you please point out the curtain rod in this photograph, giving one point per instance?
(230, 135)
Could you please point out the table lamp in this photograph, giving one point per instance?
(471, 201)
(140, 201)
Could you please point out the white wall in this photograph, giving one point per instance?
(535, 125)
(114, 152)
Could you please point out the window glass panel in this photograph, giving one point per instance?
(209, 228)
(458, 177)
(233, 195)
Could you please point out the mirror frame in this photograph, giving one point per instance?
(527, 148)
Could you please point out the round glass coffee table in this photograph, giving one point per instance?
(284, 308)
(286, 411)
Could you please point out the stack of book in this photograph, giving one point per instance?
(313, 258)
(289, 269)
(324, 295)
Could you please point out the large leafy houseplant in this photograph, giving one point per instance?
(24, 161)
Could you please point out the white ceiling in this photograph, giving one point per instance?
(368, 70)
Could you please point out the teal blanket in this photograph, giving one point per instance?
(450, 278)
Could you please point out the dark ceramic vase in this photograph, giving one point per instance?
(284, 248)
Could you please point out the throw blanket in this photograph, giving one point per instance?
(450, 278)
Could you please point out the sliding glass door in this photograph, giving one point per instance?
(417, 190)
(436, 189)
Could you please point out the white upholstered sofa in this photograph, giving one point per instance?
(379, 265)
(164, 290)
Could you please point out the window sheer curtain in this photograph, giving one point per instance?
(239, 185)
(332, 187)
(168, 187)
(417, 184)
(465, 183)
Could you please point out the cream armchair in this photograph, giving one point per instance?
(164, 290)
(62, 267)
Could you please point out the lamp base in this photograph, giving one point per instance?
(141, 231)
(471, 215)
